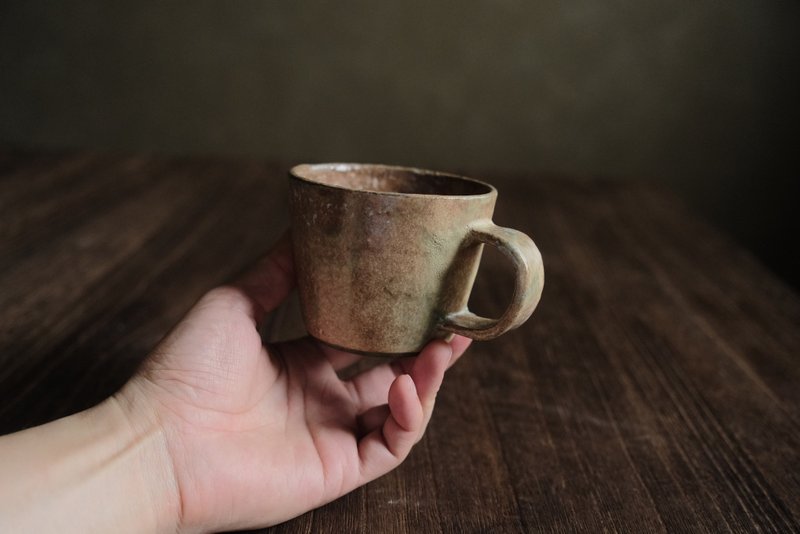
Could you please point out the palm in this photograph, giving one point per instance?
(259, 435)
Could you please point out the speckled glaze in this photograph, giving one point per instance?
(386, 256)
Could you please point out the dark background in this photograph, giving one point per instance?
(699, 95)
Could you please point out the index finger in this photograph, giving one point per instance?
(271, 279)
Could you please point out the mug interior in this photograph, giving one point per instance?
(389, 179)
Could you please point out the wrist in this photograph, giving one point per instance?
(106, 469)
(143, 432)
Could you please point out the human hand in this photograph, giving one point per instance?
(257, 435)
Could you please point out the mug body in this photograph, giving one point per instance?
(381, 253)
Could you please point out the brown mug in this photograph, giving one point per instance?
(386, 256)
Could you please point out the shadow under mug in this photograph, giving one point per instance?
(386, 256)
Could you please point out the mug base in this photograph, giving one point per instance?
(378, 354)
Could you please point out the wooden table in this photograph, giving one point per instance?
(656, 388)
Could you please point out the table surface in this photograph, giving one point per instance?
(656, 387)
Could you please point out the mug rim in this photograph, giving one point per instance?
(341, 167)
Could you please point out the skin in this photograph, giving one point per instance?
(218, 431)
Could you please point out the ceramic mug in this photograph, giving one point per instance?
(386, 256)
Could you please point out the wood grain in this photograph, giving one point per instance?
(656, 388)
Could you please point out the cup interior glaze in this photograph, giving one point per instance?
(389, 179)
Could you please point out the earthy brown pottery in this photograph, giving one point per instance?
(386, 256)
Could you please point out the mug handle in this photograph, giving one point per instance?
(527, 260)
